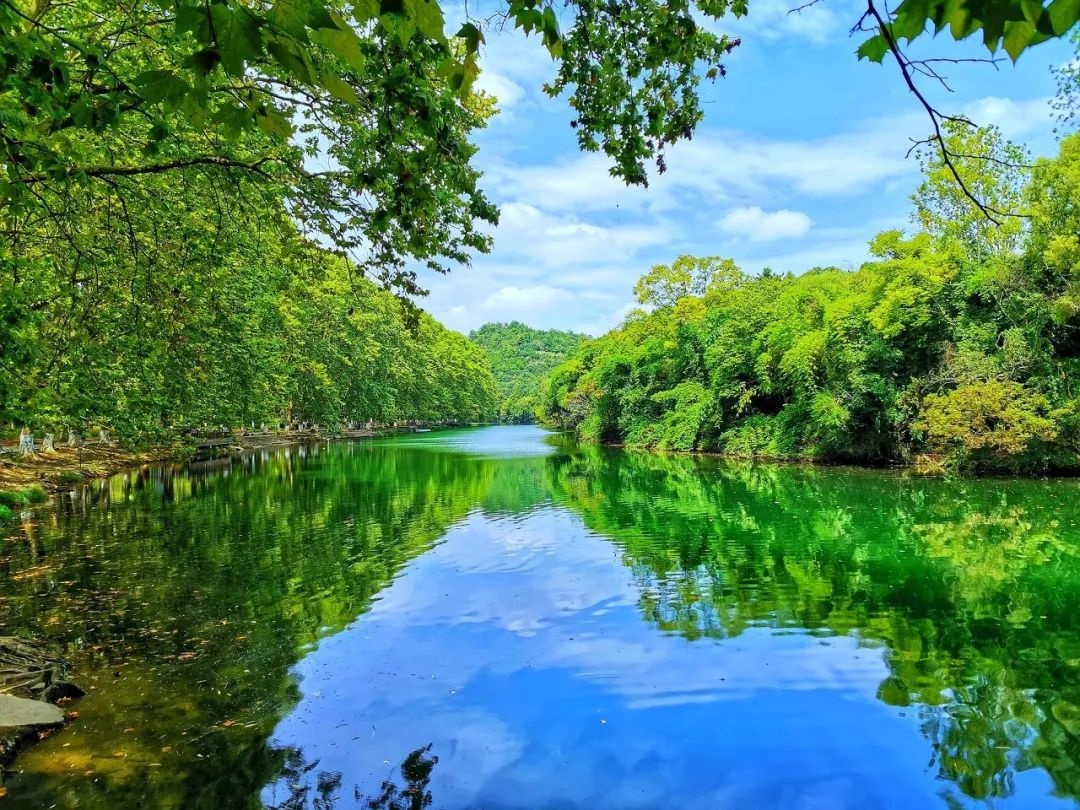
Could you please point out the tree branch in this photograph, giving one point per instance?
(936, 117)
(156, 168)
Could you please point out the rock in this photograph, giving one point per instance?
(62, 689)
(16, 712)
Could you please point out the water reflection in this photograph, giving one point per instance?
(562, 626)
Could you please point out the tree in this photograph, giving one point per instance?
(520, 358)
(957, 344)
(346, 82)
(687, 276)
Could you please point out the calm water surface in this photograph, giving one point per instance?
(495, 618)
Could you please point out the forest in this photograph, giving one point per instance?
(955, 347)
(220, 214)
(520, 358)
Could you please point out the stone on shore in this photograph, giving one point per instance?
(17, 712)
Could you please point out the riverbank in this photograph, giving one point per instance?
(60, 468)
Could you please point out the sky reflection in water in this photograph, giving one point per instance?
(495, 618)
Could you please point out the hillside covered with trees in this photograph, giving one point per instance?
(957, 345)
(520, 358)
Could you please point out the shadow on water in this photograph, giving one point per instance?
(187, 595)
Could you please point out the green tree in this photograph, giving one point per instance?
(520, 357)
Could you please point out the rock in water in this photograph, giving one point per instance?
(16, 712)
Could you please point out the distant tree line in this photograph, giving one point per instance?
(520, 358)
(956, 346)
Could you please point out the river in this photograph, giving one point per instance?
(498, 618)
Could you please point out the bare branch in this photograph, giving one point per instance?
(936, 117)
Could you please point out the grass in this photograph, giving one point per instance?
(10, 501)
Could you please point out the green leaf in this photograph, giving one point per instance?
(193, 19)
(158, 86)
(233, 119)
(1063, 15)
(428, 18)
(338, 88)
(239, 36)
(874, 49)
(274, 123)
(290, 16)
(472, 36)
(344, 44)
(292, 59)
(321, 17)
(366, 10)
(1018, 35)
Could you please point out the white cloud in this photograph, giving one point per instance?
(554, 241)
(1015, 118)
(764, 226)
(525, 298)
(722, 166)
(506, 90)
(605, 324)
(776, 19)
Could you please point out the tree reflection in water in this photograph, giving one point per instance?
(413, 794)
(203, 588)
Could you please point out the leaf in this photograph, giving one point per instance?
(193, 19)
(204, 61)
(292, 59)
(366, 10)
(274, 123)
(338, 88)
(233, 119)
(428, 18)
(551, 28)
(239, 36)
(472, 35)
(462, 75)
(345, 45)
(1018, 35)
(290, 16)
(874, 49)
(321, 17)
(157, 86)
(1063, 15)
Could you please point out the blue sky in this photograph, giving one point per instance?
(800, 161)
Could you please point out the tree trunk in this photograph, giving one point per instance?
(26, 443)
(47, 445)
(74, 440)
(103, 436)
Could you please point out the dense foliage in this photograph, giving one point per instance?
(190, 82)
(959, 344)
(156, 266)
(520, 358)
(229, 321)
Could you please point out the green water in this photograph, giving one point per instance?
(564, 626)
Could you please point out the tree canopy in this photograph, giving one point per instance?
(520, 358)
(956, 345)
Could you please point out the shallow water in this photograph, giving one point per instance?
(496, 618)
